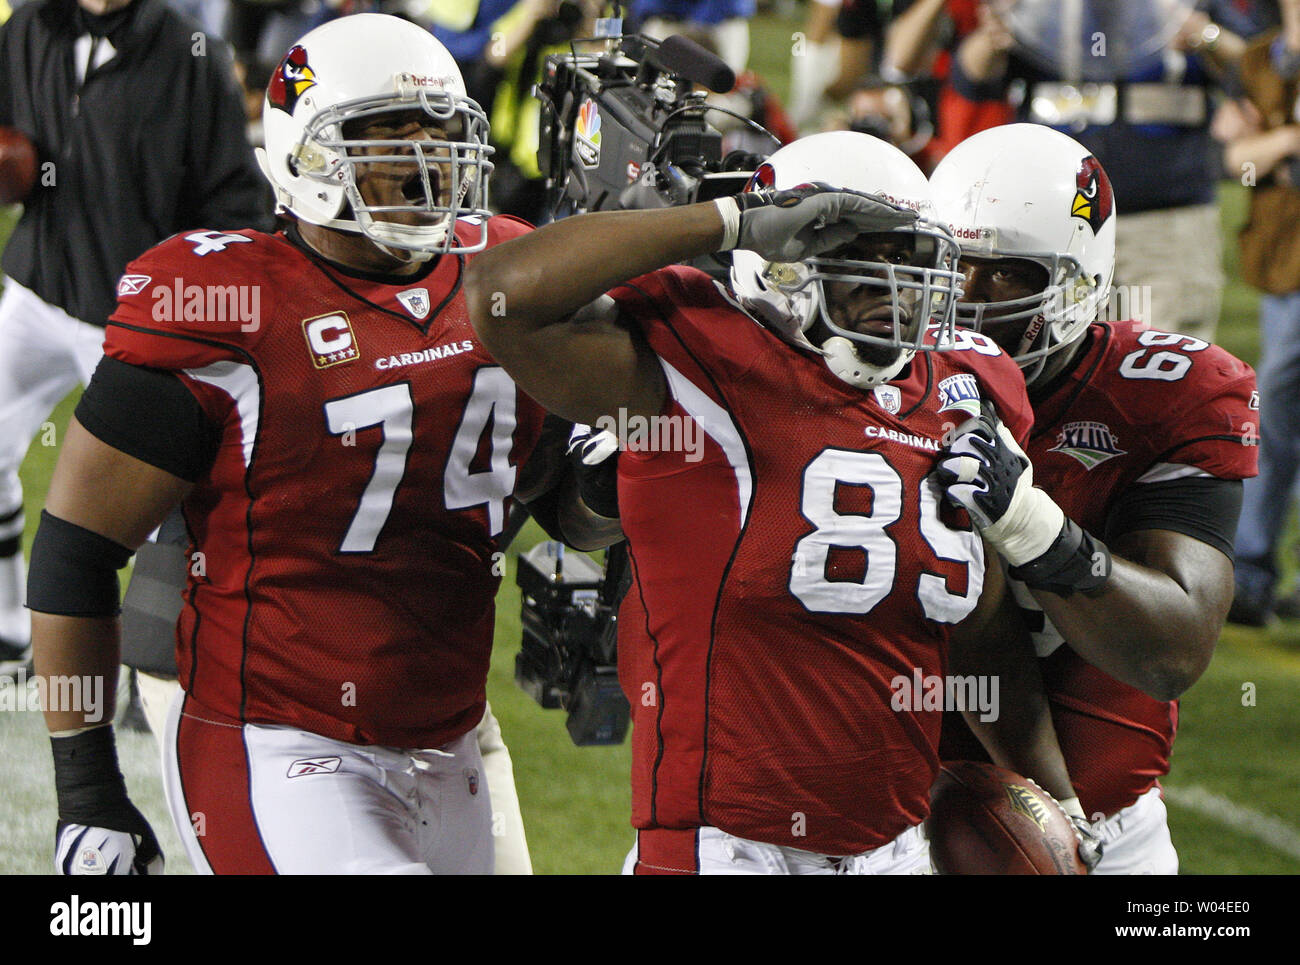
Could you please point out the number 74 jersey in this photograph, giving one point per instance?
(368, 449)
(793, 562)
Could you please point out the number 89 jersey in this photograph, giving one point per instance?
(368, 448)
(792, 563)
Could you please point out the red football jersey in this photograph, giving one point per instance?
(368, 452)
(1139, 407)
(791, 562)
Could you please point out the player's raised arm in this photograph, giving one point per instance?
(531, 299)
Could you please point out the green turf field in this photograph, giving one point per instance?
(1236, 768)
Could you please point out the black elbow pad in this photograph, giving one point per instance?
(73, 572)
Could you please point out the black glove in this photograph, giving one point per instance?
(100, 832)
(985, 472)
(803, 222)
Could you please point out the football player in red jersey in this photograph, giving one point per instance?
(1140, 439)
(345, 454)
(794, 573)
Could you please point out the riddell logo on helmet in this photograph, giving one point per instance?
(422, 81)
(901, 202)
(293, 78)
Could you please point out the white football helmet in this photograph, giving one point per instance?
(356, 68)
(790, 298)
(1029, 192)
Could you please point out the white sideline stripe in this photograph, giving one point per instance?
(1167, 471)
(1275, 833)
(239, 381)
(717, 424)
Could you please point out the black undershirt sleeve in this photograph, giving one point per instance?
(1201, 507)
(151, 415)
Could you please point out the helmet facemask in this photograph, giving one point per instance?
(1054, 317)
(872, 316)
(443, 178)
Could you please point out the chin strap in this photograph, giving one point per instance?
(843, 360)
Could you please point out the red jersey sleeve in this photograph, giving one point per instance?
(1219, 435)
(1190, 403)
(191, 301)
(682, 311)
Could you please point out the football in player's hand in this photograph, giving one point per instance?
(986, 820)
(17, 165)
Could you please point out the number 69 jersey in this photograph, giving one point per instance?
(344, 561)
(794, 571)
(1140, 408)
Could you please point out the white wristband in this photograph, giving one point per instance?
(1029, 527)
(730, 213)
(1072, 807)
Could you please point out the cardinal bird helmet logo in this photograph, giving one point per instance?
(293, 78)
(764, 177)
(1093, 200)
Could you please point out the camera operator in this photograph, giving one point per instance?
(521, 39)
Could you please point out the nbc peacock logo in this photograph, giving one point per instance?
(586, 132)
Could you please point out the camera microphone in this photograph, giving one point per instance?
(681, 55)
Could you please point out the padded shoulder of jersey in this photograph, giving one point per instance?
(683, 308)
(1189, 401)
(204, 282)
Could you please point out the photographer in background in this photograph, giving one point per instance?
(1144, 113)
(895, 113)
(1267, 148)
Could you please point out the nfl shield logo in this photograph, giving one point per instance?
(888, 397)
(471, 780)
(415, 301)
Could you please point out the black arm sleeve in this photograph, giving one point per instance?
(151, 415)
(1202, 508)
